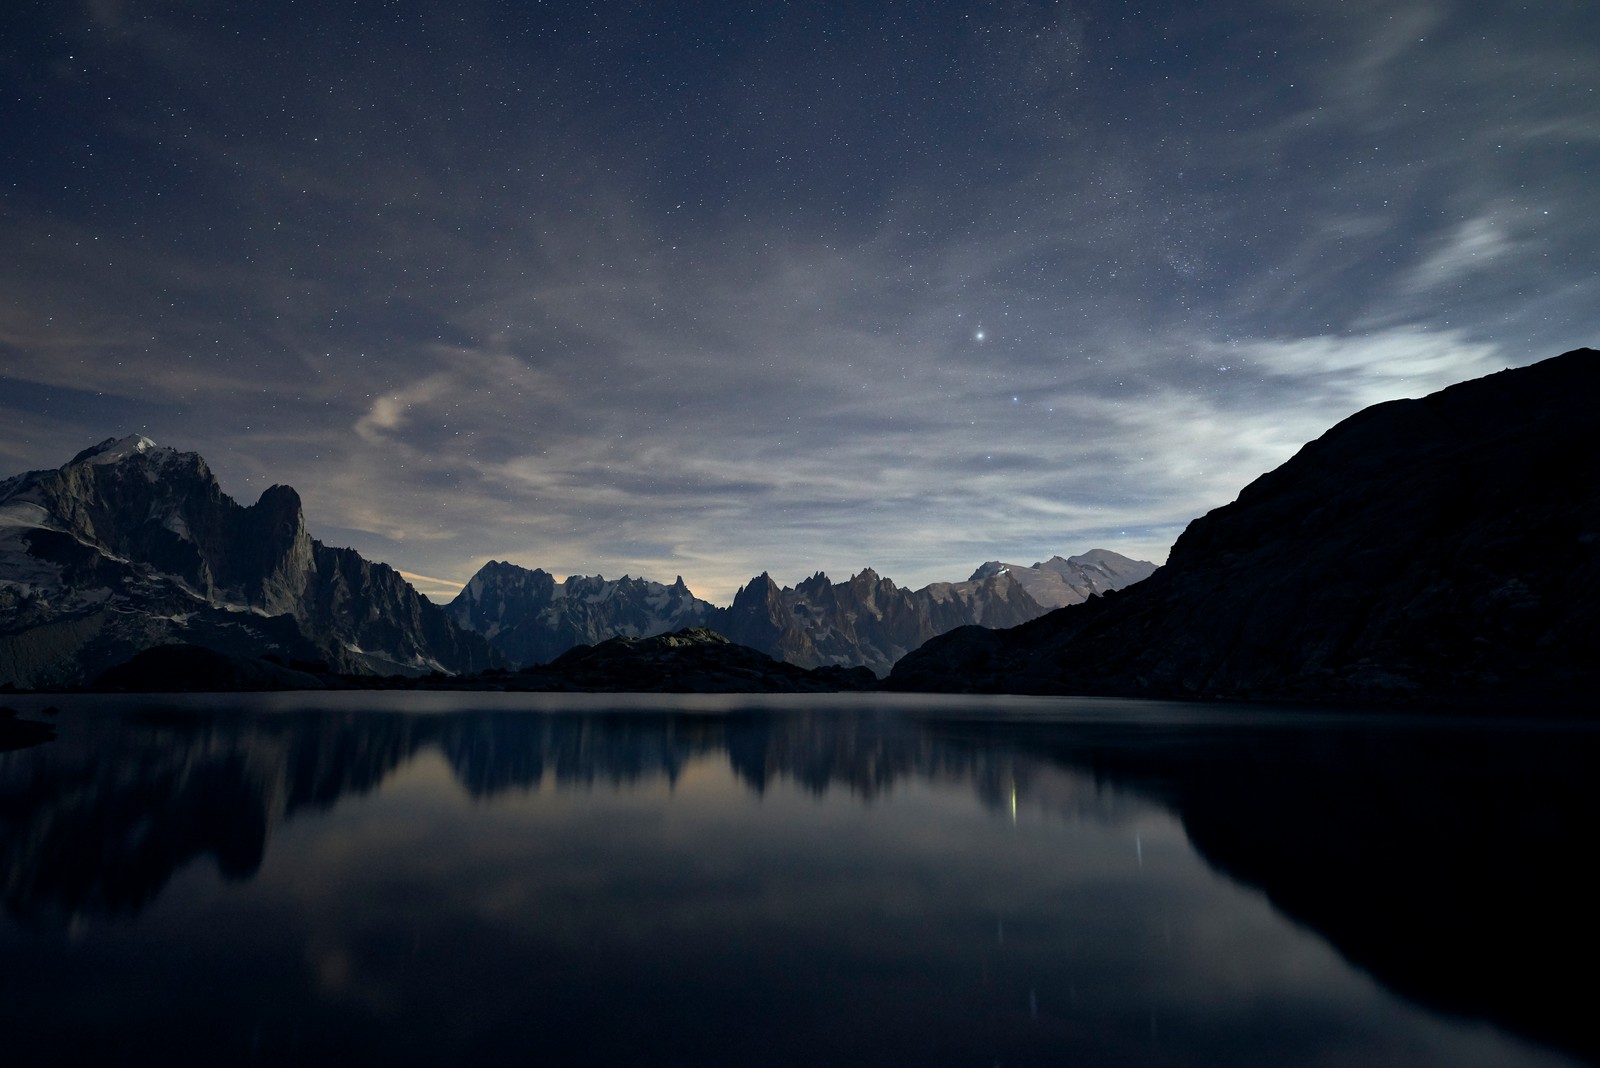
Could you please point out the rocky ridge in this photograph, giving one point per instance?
(691, 660)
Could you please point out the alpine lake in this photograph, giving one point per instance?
(486, 879)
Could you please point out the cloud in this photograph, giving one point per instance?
(1356, 372)
(391, 412)
(556, 306)
(439, 590)
(1474, 245)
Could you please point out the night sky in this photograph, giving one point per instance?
(710, 289)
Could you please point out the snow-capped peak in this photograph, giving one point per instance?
(115, 450)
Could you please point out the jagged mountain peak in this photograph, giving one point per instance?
(818, 583)
(114, 450)
(280, 498)
(763, 582)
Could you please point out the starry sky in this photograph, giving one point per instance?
(710, 289)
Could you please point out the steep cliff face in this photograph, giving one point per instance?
(130, 545)
(1447, 547)
(759, 619)
(366, 608)
(272, 562)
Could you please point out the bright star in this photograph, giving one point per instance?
(978, 336)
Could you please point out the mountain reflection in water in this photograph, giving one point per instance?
(1444, 859)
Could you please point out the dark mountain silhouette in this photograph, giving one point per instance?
(1441, 548)
(692, 660)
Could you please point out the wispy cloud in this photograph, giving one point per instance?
(1474, 245)
(584, 306)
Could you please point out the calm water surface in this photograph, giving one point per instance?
(505, 879)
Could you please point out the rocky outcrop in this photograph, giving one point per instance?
(1443, 548)
(130, 545)
(692, 660)
(530, 618)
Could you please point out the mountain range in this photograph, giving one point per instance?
(530, 618)
(131, 545)
(1444, 548)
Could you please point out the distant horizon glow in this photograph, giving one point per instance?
(731, 290)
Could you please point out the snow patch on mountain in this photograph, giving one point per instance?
(116, 450)
(22, 514)
(1058, 582)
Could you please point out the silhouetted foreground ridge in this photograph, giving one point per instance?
(691, 660)
(1441, 548)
